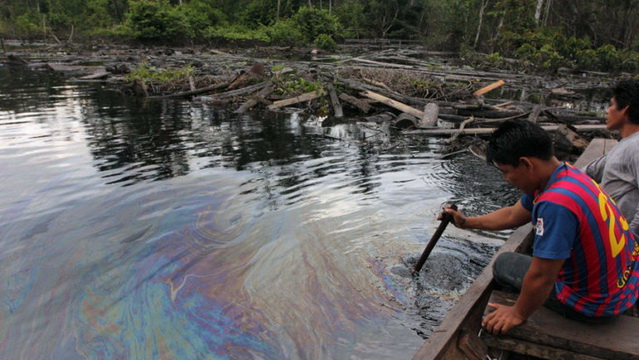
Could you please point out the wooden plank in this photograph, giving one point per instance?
(392, 103)
(470, 344)
(615, 340)
(530, 349)
(442, 344)
(294, 100)
(489, 88)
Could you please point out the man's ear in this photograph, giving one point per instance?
(525, 161)
(625, 111)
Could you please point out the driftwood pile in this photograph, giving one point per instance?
(393, 89)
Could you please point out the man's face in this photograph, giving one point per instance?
(615, 118)
(519, 177)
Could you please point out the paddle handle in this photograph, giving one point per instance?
(433, 240)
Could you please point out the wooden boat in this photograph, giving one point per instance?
(546, 335)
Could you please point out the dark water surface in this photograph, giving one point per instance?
(172, 230)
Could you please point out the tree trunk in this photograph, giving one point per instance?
(483, 6)
(540, 5)
(547, 11)
(277, 14)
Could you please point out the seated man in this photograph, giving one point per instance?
(618, 170)
(584, 258)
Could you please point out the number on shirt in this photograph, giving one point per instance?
(616, 245)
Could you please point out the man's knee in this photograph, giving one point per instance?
(510, 268)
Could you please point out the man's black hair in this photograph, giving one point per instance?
(514, 139)
(626, 92)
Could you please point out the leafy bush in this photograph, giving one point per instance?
(286, 33)
(326, 42)
(157, 20)
(609, 57)
(27, 24)
(259, 13)
(587, 59)
(630, 61)
(294, 84)
(314, 22)
(200, 16)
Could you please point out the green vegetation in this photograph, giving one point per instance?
(579, 34)
(149, 74)
(291, 83)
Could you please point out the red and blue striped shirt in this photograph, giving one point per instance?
(576, 220)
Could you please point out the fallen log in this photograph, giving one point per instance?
(294, 100)
(383, 64)
(358, 85)
(573, 137)
(486, 131)
(361, 104)
(392, 103)
(337, 107)
(74, 69)
(190, 93)
(257, 98)
(429, 118)
(95, 76)
(239, 92)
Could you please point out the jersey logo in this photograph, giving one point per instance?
(539, 228)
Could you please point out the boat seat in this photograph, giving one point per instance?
(548, 335)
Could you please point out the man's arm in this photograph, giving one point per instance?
(538, 284)
(595, 168)
(504, 218)
(634, 222)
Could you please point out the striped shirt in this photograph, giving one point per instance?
(577, 221)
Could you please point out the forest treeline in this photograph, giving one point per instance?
(578, 34)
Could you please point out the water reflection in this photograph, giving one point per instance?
(168, 229)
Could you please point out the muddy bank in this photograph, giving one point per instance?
(391, 93)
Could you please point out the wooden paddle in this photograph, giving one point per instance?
(433, 240)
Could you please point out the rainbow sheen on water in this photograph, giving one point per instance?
(171, 230)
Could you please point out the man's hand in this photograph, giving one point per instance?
(502, 319)
(458, 219)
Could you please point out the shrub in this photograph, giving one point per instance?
(27, 24)
(313, 22)
(259, 13)
(609, 57)
(157, 20)
(326, 42)
(587, 59)
(630, 61)
(200, 16)
(286, 33)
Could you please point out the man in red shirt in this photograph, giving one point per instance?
(584, 258)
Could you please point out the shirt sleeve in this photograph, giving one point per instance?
(595, 168)
(556, 231)
(634, 166)
(527, 202)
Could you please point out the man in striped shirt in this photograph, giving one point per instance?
(584, 257)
